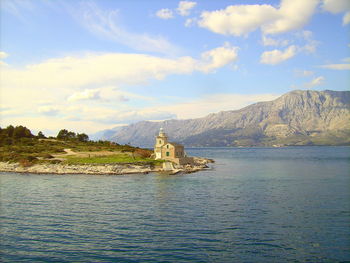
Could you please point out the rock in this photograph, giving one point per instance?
(101, 169)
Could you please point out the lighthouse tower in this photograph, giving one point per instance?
(161, 140)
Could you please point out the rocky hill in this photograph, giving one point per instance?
(296, 118)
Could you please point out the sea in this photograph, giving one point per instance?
(287, 204)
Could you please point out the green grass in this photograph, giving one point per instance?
(112, 159)
(33, 150)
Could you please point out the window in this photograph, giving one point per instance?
(167, 146)
(160, 141)
(167, 153)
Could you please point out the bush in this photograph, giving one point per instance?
(142, 153)
(28, 161)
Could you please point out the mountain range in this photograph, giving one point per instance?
(300, 117)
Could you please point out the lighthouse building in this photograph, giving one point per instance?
(165, 150)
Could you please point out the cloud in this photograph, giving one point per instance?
(48, 110)
(185, 7)
(311, 44)
(237, 20)
(17, 8)
(219, 57)
(346, 18)
(316, 82)
(336, 66)
(338, 6)
(74, 71)
(3, 55)
(240, 20)
(115, 116)
(165, 13)
(277, 56)
(88, 94)
(214, 103)
(340, 66)
(68, 82)
(292, 15)
(104, 23)
(107, 68)
(304, 73)
(190, 22)
(266, 41)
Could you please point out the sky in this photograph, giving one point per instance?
(87, 66)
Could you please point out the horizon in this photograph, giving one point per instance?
(89, 66)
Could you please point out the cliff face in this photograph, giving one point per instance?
(296, 118)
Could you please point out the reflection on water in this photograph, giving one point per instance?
(257, 205)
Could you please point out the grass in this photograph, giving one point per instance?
(111, 159)
(32, 150)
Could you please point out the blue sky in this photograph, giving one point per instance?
(93, 65)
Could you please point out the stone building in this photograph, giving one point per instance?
(165, 150)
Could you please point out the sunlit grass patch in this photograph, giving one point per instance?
(111, 159)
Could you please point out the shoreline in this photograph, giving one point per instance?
(106, 169)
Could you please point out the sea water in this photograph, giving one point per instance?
(255, 205)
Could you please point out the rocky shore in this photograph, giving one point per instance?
(116, 169)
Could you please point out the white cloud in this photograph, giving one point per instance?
(98, 77)
(336, 66)
(237, 20)
(3, 55)
(338, 6)
(116, 115)
(311, 44)
(277, 56)
(292, 15)
(219, 57)
(104, 23)
(88, 94)
(304, 73)
(121, 69)
(240, 20)
(73, 72)
(190, 22)
(346, 18)
(185, 7)
(316, 82)
(48, 110)
(165, 13)
(267, 41)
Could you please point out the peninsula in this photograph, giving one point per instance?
(74, 153)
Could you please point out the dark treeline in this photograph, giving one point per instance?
(13, 134)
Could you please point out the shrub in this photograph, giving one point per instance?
(27, 162)
(142, 153)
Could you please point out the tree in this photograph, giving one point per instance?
(22, 132)
(71, 135)
(41, 135)
(10, 129)
(82, 137)
(66, 135)
(62, 134)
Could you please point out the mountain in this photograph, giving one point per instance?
(296, 118)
